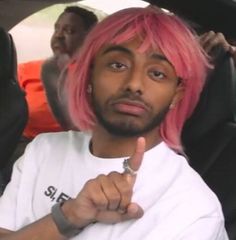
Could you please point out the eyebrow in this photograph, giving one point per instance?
(117, 48)
(160, 57)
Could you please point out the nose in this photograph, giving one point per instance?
(135, 81)
(58, 33)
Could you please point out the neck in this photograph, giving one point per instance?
(106, 145)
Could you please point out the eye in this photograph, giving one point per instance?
(156, 75)
(117, 66)
(56, 28)
(69, 31)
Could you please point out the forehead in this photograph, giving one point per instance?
(70, 19)
(135, 49)
(132, 47)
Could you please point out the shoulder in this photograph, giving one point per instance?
(196, 192)
(57, 143)
(48, 148)
(65, 139)
(174, 174)
(34, 64)
(29, 69)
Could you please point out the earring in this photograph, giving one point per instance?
(89, 89)
(172, 105)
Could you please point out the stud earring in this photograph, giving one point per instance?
(89, 89)
(172, 105)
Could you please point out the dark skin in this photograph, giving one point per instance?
(144, 71)
(211, 39)
(108, 198)
(69, 33)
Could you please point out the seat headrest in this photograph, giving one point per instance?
(7, 57)
(217, 103)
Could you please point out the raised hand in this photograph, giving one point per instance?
(210, 40)
(213, 43)
(107, 198)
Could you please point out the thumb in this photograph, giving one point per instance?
(133, 163)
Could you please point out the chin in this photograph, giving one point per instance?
(126, 129)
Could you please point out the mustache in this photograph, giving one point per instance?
(129, 97)
(58, 41)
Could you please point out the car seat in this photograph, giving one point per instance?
(13, 106)
(209, 137)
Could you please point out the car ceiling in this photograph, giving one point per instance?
(14, 11)
(217, 15)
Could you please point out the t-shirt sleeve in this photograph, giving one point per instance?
(209, 228)
(203, 228)
(16, 201)
(8, 201)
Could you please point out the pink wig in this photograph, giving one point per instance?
(157, 29)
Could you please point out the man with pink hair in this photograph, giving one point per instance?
(136, 80)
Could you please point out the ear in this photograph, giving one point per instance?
(179, 93)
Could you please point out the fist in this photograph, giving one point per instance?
(107, 198)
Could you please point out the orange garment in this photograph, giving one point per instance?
(41, 118)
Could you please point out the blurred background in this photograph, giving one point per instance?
(32, 35)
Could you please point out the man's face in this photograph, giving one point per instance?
(132, 91)
(68, 34)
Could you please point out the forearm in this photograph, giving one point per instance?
(91, 205)
(44, 229)
(52, 226)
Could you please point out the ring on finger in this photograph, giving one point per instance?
(127, 168)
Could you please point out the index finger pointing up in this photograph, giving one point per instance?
(134, 162)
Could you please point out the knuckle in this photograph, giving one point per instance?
(89, 183)
(101, 177)
(220, 35)
(212, 32)
(113, 174)
(91, 186)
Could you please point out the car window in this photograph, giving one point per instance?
(32, 35)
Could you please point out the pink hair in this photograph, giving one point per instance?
(157, 29)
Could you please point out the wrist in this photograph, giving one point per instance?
(65, 226)
(75, 214)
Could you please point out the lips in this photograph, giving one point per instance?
(130, 107)
(58, 46)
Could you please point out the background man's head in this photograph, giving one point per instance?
(158, 30)
(70, 30)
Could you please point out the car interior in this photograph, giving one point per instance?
(13, 105)
(209, 136)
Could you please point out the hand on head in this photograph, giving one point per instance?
(211, 42)
(107, 198)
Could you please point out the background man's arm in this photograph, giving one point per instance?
(44, 229)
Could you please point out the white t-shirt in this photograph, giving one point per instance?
(177, 203)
